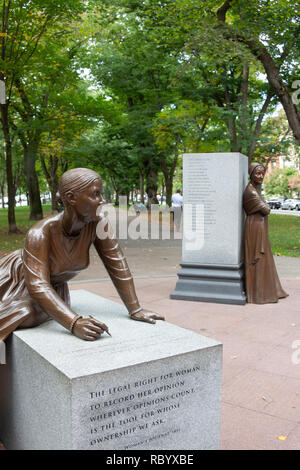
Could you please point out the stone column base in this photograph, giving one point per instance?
(210, 283)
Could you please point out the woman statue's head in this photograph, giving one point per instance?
(80, 191)
(256, 173)
(75, 181)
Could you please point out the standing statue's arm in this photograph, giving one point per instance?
(265, 209)
(253, 203)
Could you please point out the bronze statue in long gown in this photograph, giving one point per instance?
(262, 282)
(33, 281)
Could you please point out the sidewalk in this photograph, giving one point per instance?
(261, 384)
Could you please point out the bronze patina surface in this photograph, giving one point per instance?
(262, 281)
(33, 281)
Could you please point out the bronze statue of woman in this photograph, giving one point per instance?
(33, 280)
(262, 282)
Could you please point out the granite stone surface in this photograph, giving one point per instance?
(146, 387)
(213, 185)
(213, 226)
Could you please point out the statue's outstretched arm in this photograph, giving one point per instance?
(115, 262)
(110, 252)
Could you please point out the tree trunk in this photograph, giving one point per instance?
(107, 194)
(244, 115)
(169, 190)
(2, 189)
(142, 187)
(272, 71)
(169, 174)
(151, 185)
(54, 203)
(36, 211)
(9, 171)
(2, 196)
(231, 121)
(117, 197)
(52, 179)
(258, 125)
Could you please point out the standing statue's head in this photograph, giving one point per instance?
(256, 173)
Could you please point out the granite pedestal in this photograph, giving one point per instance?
(146, 387)
(213, 225)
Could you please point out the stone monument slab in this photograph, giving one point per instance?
(146, 387)
(213, 223)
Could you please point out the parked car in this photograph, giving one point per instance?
(275, 202)
(291, 204)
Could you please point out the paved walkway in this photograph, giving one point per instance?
(285, 212)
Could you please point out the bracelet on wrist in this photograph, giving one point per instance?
(74, 321)
(135, 311)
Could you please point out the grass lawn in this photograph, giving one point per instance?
(13, 242)
(284, 232)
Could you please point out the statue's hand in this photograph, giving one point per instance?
(89, 328)
(146, 316)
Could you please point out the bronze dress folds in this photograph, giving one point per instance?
(262, 282)
(36, 277)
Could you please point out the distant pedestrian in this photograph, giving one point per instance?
(177, 203)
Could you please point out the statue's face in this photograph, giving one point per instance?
(258, 175)
(88, 202)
